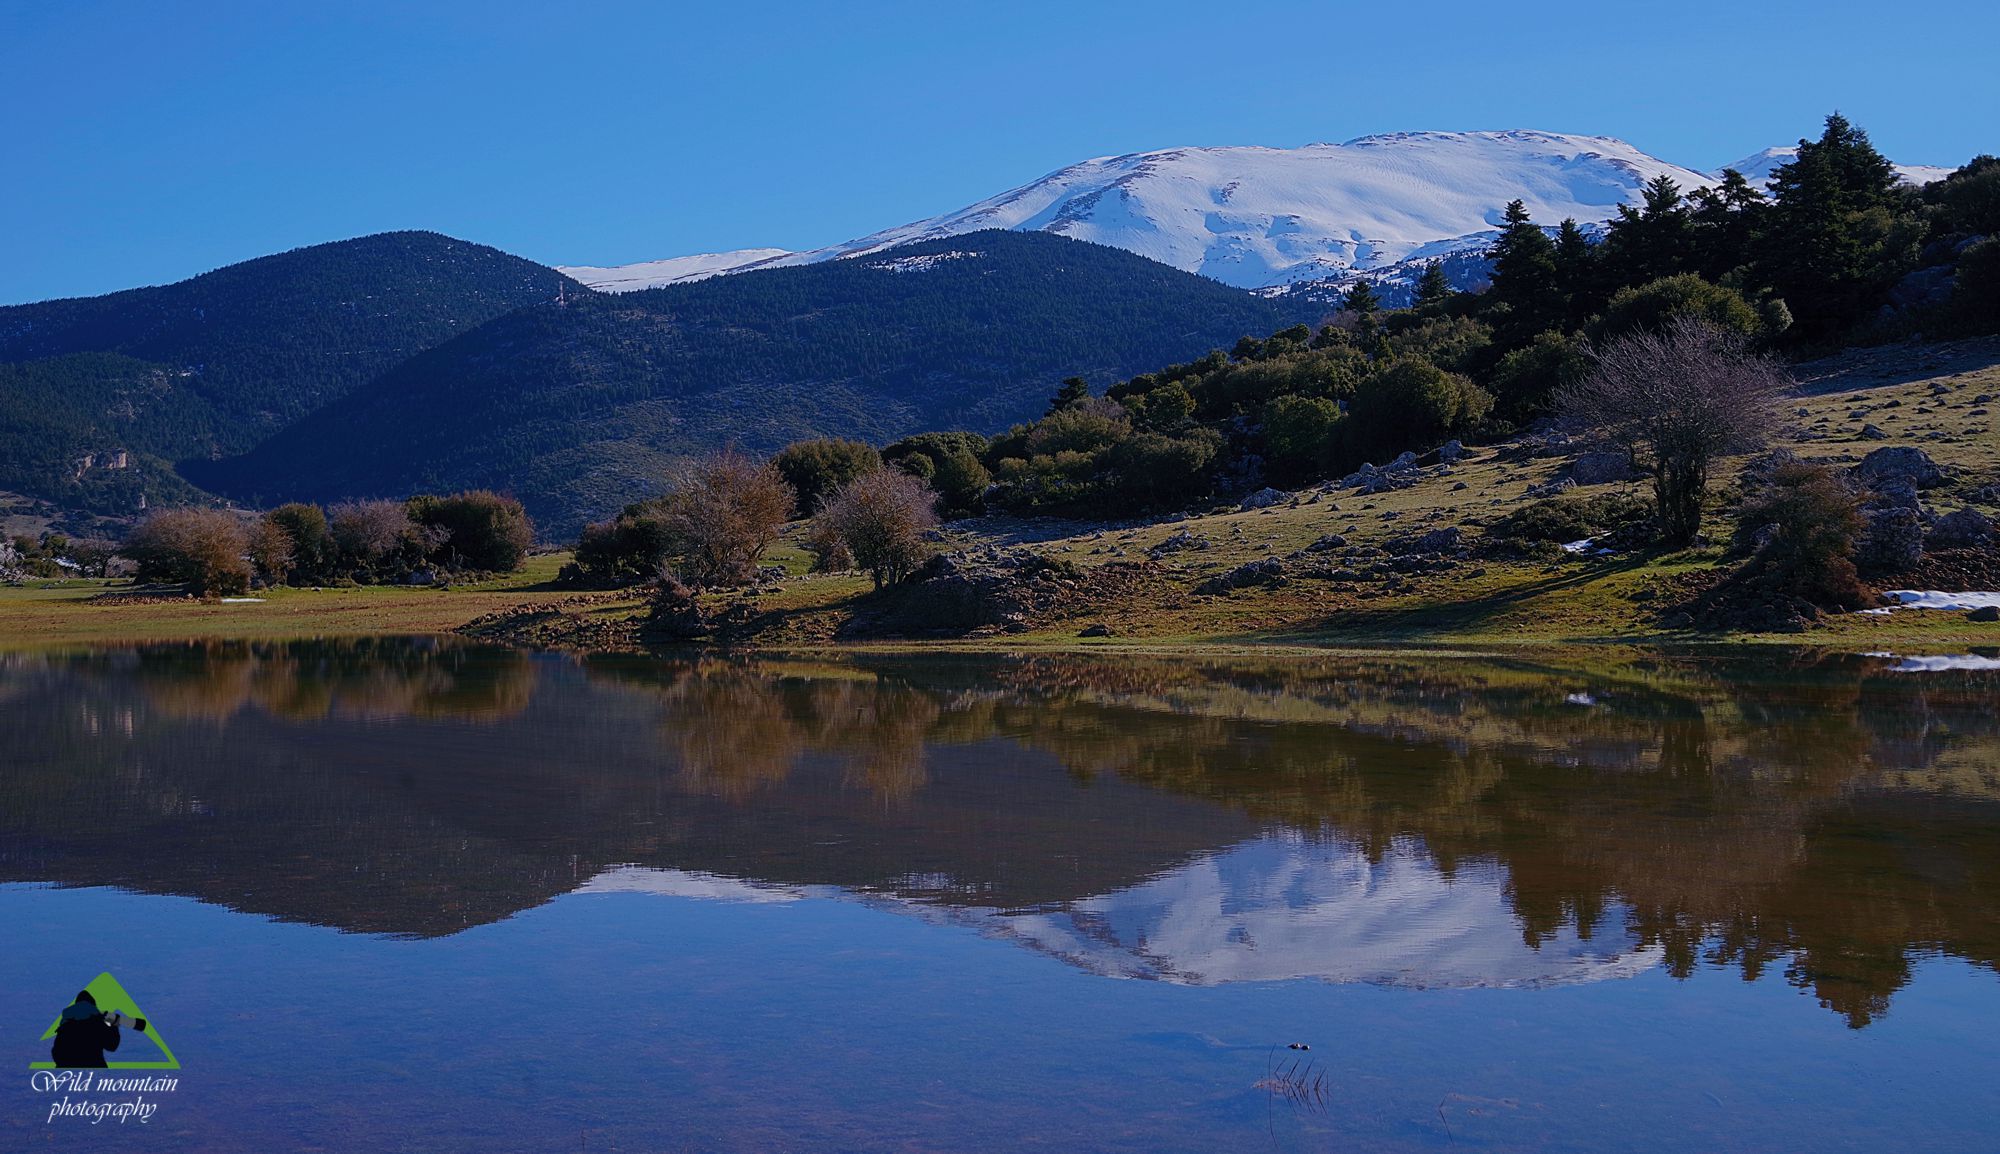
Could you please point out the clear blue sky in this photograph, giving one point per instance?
(146, 142)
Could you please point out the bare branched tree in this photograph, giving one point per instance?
(722, 511)
(1678, 399)
(368, 532)
(880, 518)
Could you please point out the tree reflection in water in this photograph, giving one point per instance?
(1819, 814)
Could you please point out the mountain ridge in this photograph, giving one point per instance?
(580, 407)
(1264, 218)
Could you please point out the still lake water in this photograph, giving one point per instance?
(416, 895)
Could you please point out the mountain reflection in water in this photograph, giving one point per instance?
(1405, 821)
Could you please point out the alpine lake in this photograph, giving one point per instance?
(422, 895)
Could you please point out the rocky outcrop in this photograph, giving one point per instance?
(1400, 473)
(1893, 540)
(1264, 499)
(1179, 542)
(675, 614)
(1445, 540)
(1268, 572)
(992, 591)
(1602, 468)
(1899, 461)
(1965, 529)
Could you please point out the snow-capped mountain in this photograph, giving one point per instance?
(674, 270)
(1267, 218)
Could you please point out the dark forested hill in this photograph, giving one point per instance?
(249, 348)
(95, 432)
(577, 408)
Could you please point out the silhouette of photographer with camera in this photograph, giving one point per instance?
(83, 1034)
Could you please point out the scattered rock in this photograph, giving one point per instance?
(1967, 528)
(1267, 571)
(1264, 499)
(1451, 452)
(1873, 432)
(1985, 613)
(1180, 541)
(1097, 629)
(676, 614)
(1436, 541)
(1329, 541)
(1900, 461)
(1893, 540)
(1602, 468)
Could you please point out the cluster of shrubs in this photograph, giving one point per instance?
(719, 514)
(53, 555)
(213, 551)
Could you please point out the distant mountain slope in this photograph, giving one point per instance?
(675, 270)
(98, 432)
(579, 408)
(1263, 217)
(268, 340)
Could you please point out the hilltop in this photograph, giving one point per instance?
(579, 407)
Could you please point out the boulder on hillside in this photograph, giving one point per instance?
(1900, 461)
(1893, 540)
(676, 614)
(1264, 499)
(1176, 543)
(1435, 541)
(1268, 571)
(1602, 468)
(1965, 529)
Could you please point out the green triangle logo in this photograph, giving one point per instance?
(112, 996)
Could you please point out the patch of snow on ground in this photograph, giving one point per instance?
(1932, 599)
(920, 263)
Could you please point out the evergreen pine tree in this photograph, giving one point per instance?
(1524, 278)
(1652, 241)
(1577, 278)
(1361, 299)
(1724, 221)
(1432, 288)
(1074, 391)
(1831, 247)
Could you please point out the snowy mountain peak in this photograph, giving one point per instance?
(1264, 218)
(674, 270)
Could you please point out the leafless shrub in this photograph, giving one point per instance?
(270, 549)
(722, 511)
(880, 518)
(1678, 398)
(369, 532)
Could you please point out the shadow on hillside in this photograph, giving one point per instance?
(1869, 368)
(1421, 622)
